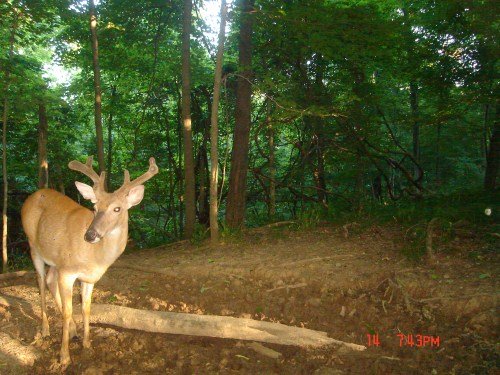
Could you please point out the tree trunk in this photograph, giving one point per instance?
(416, 125)
(43, 165)
(214, 130)
(493, 157)
(97, 88)
(189, 193)
(5, 182)
(110, 136)
(4, 142)
(484, 140)
(272, 170)
(204, 183)
(235, 211)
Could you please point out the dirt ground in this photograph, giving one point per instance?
(354, 286)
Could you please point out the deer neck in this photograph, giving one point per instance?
(114, 243)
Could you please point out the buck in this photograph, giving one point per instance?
(76, 243)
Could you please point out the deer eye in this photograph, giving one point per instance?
(117, 209)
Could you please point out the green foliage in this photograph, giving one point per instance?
(331, 89)
(309, 219)
(200, 234)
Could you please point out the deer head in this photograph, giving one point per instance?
(110, 209)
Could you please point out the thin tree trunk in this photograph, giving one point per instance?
(203, 205)
(189, 193)
(272, 170)
(214, 130)
(438, 154)
(484, 141)
(110, 136)
(235, 211)
(416, 124)
(5, 182)
(493, 157)
(97, 88)
(4, 143)
(43, 165)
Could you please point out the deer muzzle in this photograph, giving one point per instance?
(92, 236)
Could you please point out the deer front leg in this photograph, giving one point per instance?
(86, 300)
(66, 291)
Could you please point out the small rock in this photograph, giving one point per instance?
(315, 302)
(236, 283)
(342, 311)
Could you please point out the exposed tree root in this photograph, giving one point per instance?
(294, 286)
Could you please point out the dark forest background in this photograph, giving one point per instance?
(343, 110)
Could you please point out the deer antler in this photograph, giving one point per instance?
(152, 170)
(87, 170)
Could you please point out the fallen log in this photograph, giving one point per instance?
(212, 326)
(203, 325)
(13, 275)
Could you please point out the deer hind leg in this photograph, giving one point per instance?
(40, 270)
(86, 300)
(53, 284)
(65, 283)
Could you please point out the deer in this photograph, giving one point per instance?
(77, 243)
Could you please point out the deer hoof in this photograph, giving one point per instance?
(65, 359)
(72, 329)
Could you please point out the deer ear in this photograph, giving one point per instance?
(135, 195)
(87, 191)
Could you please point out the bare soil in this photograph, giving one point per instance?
(349, 285)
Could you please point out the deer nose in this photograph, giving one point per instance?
(91, 236)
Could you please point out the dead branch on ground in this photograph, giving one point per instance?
(204, 325)
(13, 275)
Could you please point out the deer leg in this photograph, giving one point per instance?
(66, 291)
(40, 270)
(86, 300)
(52, 282)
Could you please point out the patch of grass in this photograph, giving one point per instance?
(229, 234)
(200, 234)
(309, 219)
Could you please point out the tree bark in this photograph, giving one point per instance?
(272, 170)
(416, 124)
(493, 156)
(43, 165)
(4, 142)
(235, 211)
(214, 130)
(97, 88)
(200, 325)
(189, 180)
(110, 136)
